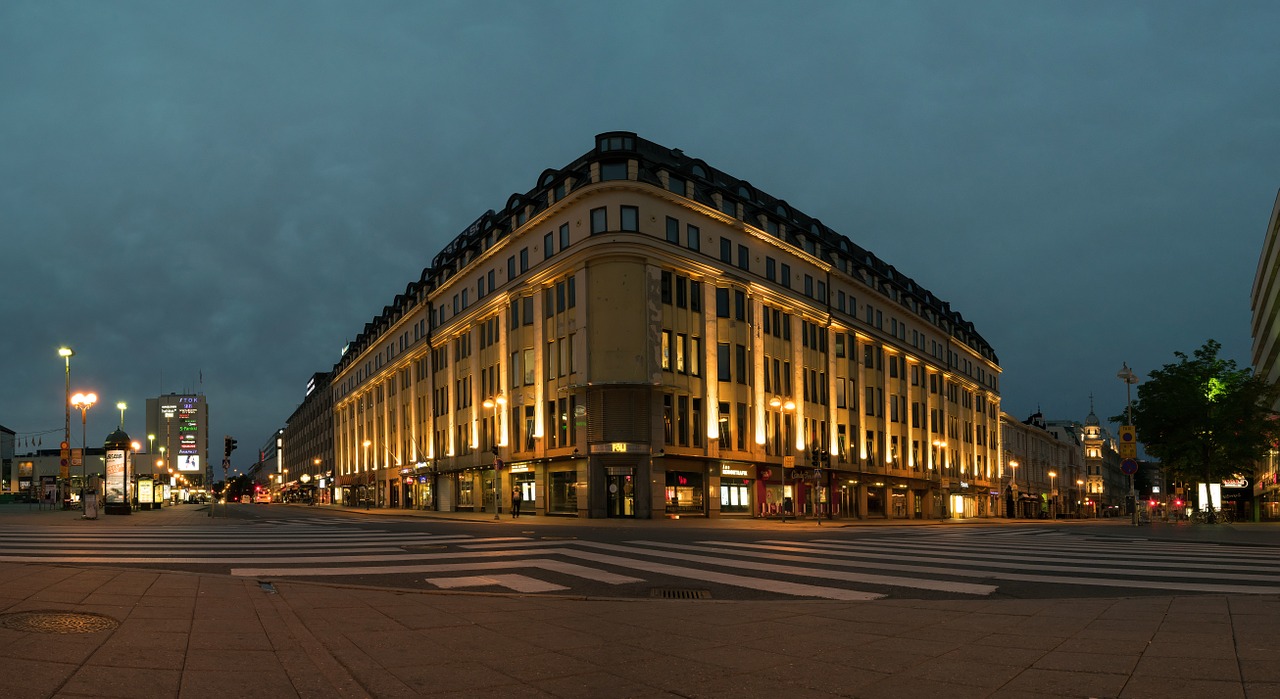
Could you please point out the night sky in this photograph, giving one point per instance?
(218, 196)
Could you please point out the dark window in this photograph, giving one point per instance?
(630, 218)
(673, 230)
(682, 292)
(739, 305)
(524, 260)
(770, 269)
(666, 287)
(722, 303)
(573, 292)
(744, 258)
(695, 296)
(740, 357)
(564, 236)
(808, 286)
(726, 251)
(695, 242)
(548, 246)
(786, 275)
(613, 171)
(511, 267)
(722, 362)
(676, 184)
(527, 303)
(599, 220)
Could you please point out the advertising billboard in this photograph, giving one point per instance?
(115, 476)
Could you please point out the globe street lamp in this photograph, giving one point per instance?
(496, 404)
(83, 401)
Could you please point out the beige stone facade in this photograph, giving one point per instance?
(644, 336)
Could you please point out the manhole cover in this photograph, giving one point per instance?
(57, 622)
(679, 593)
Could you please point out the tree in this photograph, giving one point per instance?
(1204, 418)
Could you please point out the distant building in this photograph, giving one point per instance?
(642, 335)
(1106, 487)
(1265, 302)
(8, 443)
(1043, 467)
(308, 444)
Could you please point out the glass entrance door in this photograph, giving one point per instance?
(621, 496)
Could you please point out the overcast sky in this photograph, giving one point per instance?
(217, 196)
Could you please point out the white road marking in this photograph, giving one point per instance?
(519, 583)
(546, 564)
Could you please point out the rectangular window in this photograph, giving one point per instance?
(548, 246)
(524, 260)
(694, 237)
(599, 221)
(682, 342)
(739, 305)
(742, 426)
(526, 304)
(515, 313)
(695, 296)
(682, 292)
(808, 286)
(682, 418)
(722, 360)
(629, 218)
(664, 287)
(770, 269)
(564, 236)
(668, 420)
(744, 258)
(740, 360)
(673, 230)
(786, 275)
(529, 367)
(695, 356)
(726, 251)
(511, 267)
(722, 303)
(666, 350)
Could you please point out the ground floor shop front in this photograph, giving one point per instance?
(643, 486)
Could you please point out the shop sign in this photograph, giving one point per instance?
(521, 468)
(735, 472)
(620, 448)
(619, 470)
(964, 485)
(1236, 482)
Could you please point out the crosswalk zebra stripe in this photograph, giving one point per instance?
(765, 584)
(1095, 561)
(1081, 575)
(518, 583)
(866, 578)
(561, 567)
(968, 588)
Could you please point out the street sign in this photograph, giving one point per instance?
(788, 462)
(1129, 466)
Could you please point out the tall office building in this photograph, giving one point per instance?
(178, 431)
(1265, 302)
(642, 335)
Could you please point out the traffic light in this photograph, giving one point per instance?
(814, 458)
(228, 446)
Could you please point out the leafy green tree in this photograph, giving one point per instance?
(1205, 418)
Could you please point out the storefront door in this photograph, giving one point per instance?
(621, 494)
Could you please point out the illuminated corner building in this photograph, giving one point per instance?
(1265, 302)
(662, 336)
(180, 423)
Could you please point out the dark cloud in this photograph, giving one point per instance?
(233, 189)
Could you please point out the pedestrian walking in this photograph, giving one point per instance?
(516, 498)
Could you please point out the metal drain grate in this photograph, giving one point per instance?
(679, 593)
(50, 621)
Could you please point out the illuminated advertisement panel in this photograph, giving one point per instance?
(188, 462)
(115, 475)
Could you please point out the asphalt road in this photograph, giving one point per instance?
(640, 559)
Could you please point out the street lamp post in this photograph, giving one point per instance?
(1013, 479)
(1080, 500)
(1129, 378)
(83, 401)
(66, 354)
(367, 444)
(1053, 490)
(788, 410)
(496, 404)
